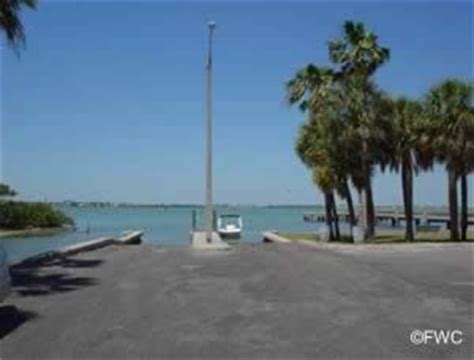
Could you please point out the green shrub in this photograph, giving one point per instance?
(23, 215)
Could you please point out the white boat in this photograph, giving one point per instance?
(229, 225)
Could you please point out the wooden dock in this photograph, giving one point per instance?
(394, 217)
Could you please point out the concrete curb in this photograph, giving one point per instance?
(130, 237)
(380, 248)
(127, 238)
(269, 236)
(85, 246)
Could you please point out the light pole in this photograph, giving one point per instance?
(209, 208)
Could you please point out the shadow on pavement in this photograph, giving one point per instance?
(11, 318)
(72, 263)
(50, 276)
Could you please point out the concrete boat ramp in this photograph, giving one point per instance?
(256, 301)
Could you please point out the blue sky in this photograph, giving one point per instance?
(107, 100)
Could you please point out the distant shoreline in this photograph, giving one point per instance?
(111, 205)
(119, 205)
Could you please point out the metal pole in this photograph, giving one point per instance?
(209, 208)
(194, 220)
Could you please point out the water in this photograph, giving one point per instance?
(162, 226)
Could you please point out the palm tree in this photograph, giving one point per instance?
(364, 138)
(312, 149)
(310, 86)
(450, 111)
(310, 156)
(359, 55)
(353, 102)
(358, 51)
(322, 178)
(317, 93)
(468, 168)
(10, 21)
(405, 119)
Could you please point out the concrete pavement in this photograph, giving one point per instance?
(254, 301)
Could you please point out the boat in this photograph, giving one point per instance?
(229, 225)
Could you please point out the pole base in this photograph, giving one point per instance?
(199, 241)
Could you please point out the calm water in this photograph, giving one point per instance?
(163, 226)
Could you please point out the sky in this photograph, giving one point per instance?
(106, 102)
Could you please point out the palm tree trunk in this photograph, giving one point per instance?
(453, 205)
(363, 197)
(335, 218)
(350, 203)
(407, 186)
(327, 205)
(464, 210)
(370, 210)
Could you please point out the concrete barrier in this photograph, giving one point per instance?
(65, 251)
(85, 246)
(129, 238)
(269, 236)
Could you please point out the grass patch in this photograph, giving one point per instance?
(384, 236)
(310, 236)
(421, 236)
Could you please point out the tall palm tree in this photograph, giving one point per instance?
(358, 51)
(309, 87)
(317, 93)
(311, 150)
(338, 147)
(450, 109)
(365, 139)
(359, 55)
(468, 163)
(10, 22)
(352, 97)
(405, 119)
(322, 178)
